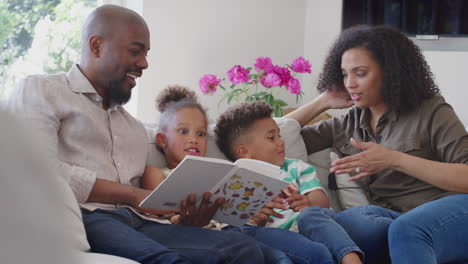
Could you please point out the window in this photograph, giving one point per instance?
(39, 37)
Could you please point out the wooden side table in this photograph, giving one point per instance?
(322, 116)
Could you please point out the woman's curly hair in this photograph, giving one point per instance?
(236, 121)
(172, 99)
(407, 78)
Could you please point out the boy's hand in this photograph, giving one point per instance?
(263, 216)
(201, 216)
(288, 191)
(298, 202)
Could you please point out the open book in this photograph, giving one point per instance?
(247, 185)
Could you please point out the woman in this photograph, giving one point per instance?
(401, 140)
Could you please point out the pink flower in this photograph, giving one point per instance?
(283, 73)
(263, 63)
(271, 80)
(293, 86)
(238, 74)
(301, 65)
(208, 83)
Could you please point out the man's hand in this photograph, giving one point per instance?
(140, 195)
(199, 216)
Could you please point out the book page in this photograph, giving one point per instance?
(262, 167)
(193, 175)
(246, 192)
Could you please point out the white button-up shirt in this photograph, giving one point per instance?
(87, 141)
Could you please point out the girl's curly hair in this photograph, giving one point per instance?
(407, 78)
(172, 99)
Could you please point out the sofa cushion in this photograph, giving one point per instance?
(96, 258)
(36, 226)
(347, 194)
(290, 132)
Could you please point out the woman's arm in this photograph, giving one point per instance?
(448, 176)
(376, 158)
(327, 100)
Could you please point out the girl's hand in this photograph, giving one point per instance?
(336, 99)
(374, 159)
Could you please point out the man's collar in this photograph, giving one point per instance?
(78, 81)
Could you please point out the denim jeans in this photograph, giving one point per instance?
(318, 225)
(299, 249)
(123, 233)
(435, 232)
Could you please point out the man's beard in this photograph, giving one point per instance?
(117, 94)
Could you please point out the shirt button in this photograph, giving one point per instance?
(115, 137)
(118, 164)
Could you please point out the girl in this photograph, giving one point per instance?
(183, 131)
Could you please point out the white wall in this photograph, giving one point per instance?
(451, 70)
(190, 38)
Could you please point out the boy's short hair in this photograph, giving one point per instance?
(237, 121)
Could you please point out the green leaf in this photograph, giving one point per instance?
(281, 103)
(260, 94)
(269, 99)
(277, 111)
(249, 98)
(229, 100)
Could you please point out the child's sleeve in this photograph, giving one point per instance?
(307, 180)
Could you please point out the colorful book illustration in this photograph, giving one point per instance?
(247, 185)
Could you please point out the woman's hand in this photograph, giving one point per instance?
(375, 158)
(336, 99)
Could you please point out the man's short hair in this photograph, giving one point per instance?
(237, 121)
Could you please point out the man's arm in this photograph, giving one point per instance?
(108, 192)
(31, 100)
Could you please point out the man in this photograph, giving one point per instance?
(102, 150)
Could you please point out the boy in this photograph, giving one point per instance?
(248, 131)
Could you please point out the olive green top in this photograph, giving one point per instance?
(432, 131)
